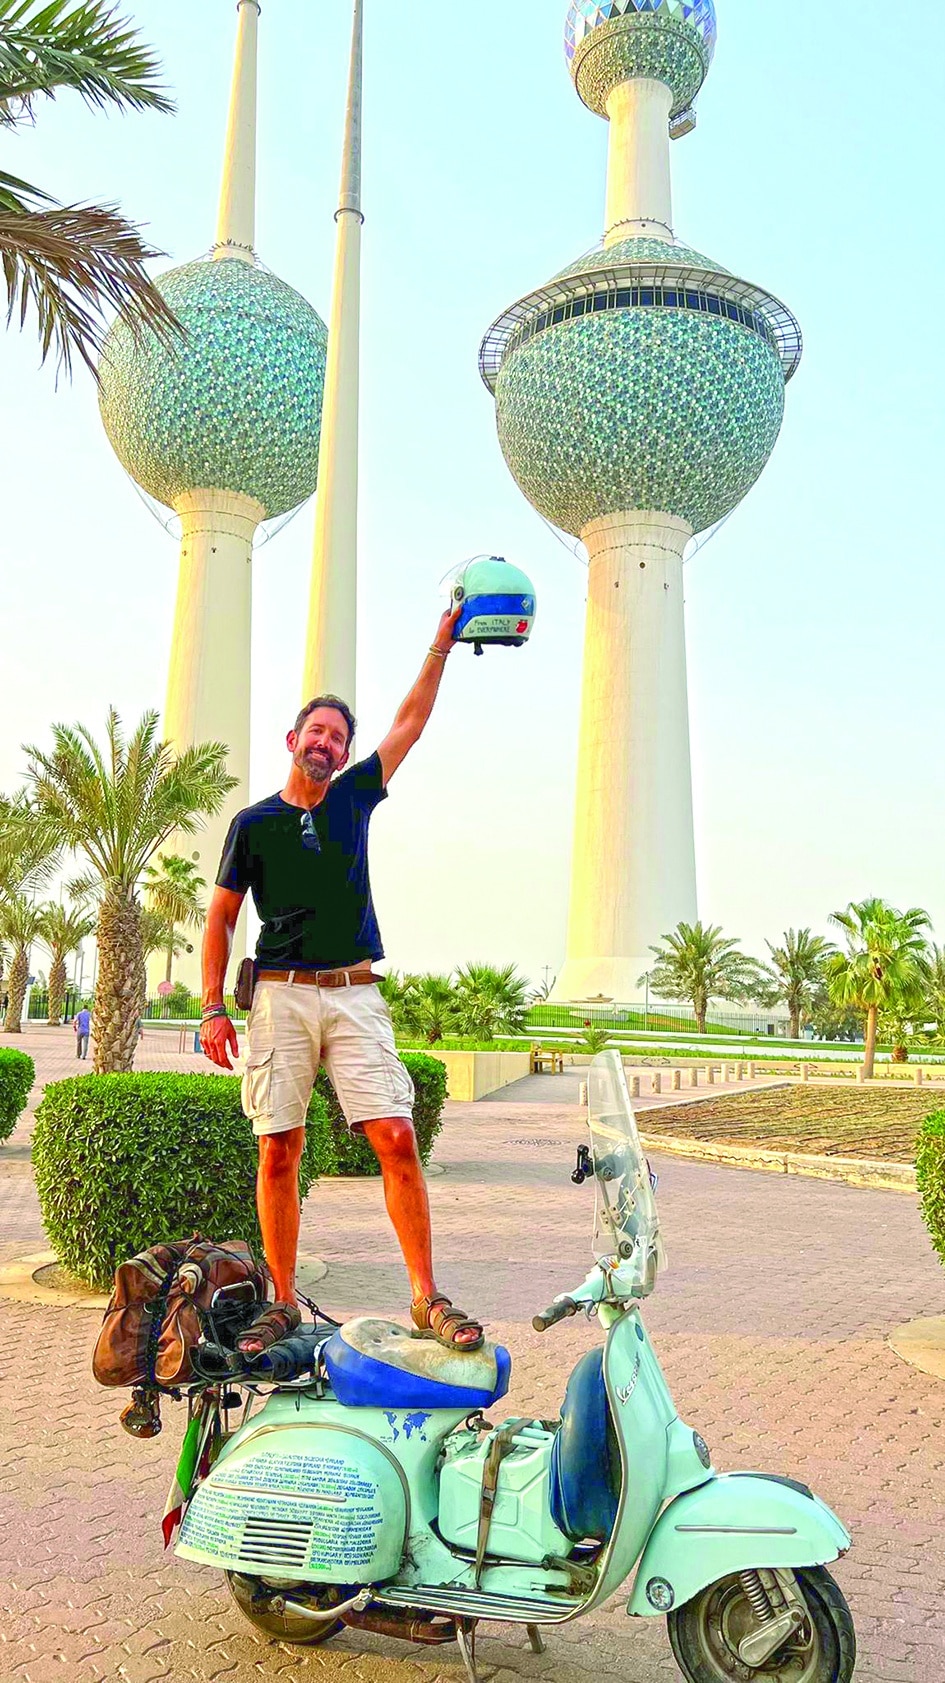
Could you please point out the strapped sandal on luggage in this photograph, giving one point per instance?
(276, 1322)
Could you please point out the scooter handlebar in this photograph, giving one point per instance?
(558, 1312)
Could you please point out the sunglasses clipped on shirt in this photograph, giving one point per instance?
(310, 839)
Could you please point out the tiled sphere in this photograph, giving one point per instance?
(611, 41)
(639, 408)
(236, 404)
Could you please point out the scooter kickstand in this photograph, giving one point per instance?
(466, 1637)
(536, 1639)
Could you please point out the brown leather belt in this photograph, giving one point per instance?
(321, 978)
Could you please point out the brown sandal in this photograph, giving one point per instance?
(435, 1317)
(274, 1324)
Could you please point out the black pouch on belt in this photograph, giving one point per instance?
(245, 984)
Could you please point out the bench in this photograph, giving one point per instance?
(543, 1058)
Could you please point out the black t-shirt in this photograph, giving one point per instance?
(315, 905)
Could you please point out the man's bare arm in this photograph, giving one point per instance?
(415, 710)
(217, 1035)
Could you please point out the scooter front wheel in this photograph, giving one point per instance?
(253, 1597)
(706, 1634)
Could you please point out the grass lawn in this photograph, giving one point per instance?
(846, 1123)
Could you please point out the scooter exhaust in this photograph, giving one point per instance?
(407, 1628)
(358, 1613)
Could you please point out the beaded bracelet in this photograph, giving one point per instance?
(214, 1011)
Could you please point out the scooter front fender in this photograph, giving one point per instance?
(730, 1524)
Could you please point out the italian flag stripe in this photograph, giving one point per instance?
(180, 1490)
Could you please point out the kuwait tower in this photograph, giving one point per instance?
(223, 428)
(638, 395)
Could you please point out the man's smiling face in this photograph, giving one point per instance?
(320, 748)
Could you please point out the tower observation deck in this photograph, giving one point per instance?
(639, 395)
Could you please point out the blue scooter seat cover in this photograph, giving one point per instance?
(585, 1460)
(377, 1364)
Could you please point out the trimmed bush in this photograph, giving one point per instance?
(125, 1160)
(17, 1074)
(339, 1153)
(930, 1173)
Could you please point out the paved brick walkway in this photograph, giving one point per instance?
(771, 1325)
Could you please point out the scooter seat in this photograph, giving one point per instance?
(377, 1364)
(585, 1460)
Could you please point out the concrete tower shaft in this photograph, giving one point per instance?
(222, 427)
(638, 396)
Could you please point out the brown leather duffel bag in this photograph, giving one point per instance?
(152, 1323)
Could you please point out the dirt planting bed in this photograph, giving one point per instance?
(849, 1123)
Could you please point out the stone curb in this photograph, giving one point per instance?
(921, 1343)
(855, 1171)
(18, 1283)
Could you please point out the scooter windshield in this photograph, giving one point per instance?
(627, 1228)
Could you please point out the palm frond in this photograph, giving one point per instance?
(30, 847)
(50, 46)
(70, 263)
(63, 929)
(118, 803)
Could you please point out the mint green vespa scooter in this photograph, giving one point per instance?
(372, 1492)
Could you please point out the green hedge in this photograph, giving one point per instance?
(339, 1153)
(17, 1074)
(930, 1173)
(125, 1160)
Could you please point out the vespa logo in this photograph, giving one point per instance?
(625, 1392)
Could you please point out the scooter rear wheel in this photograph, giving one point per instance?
(251, 1594)
(705, 1634)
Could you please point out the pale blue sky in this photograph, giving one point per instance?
(815, 618)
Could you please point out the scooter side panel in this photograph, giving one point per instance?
(314, 1503)
(730, 1524)
(327, 1491)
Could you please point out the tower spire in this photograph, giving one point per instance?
(331, 644)
(236, 222)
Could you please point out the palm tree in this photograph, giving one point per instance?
(491, 1001)
(429, 1006)
(172, 890)
(70, 262)
(117, 808)
(697, 963)
(796, 969)
(885, 966)
(21, 923)
(62, 932)
(934, 1003)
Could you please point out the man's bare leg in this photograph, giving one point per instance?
(280, 1213)
(394, 1144)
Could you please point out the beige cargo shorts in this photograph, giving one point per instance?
(294, 1028)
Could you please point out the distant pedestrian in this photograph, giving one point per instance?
(83, 1028)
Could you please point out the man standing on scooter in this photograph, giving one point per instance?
(303, 854)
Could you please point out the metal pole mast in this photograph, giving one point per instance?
(331, 644)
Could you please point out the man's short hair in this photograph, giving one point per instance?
(334, 701)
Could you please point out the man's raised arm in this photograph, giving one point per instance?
(416, 709)
(217, 1034)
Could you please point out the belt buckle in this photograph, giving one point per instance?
(327, 979)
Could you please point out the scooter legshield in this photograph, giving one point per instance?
(310, 1503)
(730, 1524)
